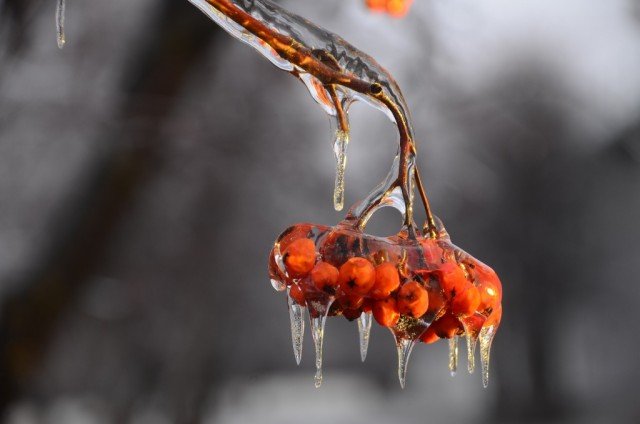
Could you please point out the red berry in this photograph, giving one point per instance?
(300, 257)
(297, 294)
(432, 252)
(413, 299)
(489, 285)
(452, 279)
(350, 301)
(386, 312)
(429, 336)
(466, 303)
(495, 317)
(387, 281)
(357, 276)
(325, 277)
(447, 326)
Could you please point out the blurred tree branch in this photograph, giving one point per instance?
(30, 314)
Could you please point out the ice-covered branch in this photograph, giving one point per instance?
(336, 74)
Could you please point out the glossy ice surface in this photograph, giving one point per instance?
(422, 289)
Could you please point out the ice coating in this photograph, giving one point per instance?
(404, 347)
(318, 310)
(340, 151)
(486, 339)
(364, 333)
(60, 16)
(317, 331)
(464, 295)
(472, 340)
(335, 73)
(296, 315)
(453, 355)
(461, 292)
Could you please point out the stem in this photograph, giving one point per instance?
(430, 225)
(325, 68)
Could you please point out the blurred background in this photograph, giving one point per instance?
(146, 169)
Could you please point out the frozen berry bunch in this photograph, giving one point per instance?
(421, 288)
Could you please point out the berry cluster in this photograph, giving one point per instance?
(420, 288)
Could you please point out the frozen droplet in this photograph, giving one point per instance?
(60, 12)
(340, 151)
(472, 340)
(404, 346)
(453, 355)
(364, 330)
(486, 338)
(317, 331)
(296, 315)
(278, 285)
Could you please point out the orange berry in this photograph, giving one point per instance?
(398, 8)
(494, 318)
(357, 276)
(367, 305)
(297, 294)
(386, 312)
(413, 299)
(429, 336)
(350, 301)
(387, 280)
(446, 326)
(300, 257)
(351, 314)
(466, 303)
(490, 287)
(452, 279)
(436, 301)
(325, 277)
(473, 323)
(432, 251)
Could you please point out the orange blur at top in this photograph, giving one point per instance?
(395, 8)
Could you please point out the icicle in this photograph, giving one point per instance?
(278, 285)
(340, 151)
(486, 338)
(364, 330)
(404, 346)
(317, 330)
(472, 340)
(296, 315)
(453, 355)
(60, 12)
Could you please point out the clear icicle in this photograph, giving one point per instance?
(405, 346)
(471, 352)
(453, 355)
(340, 151)
(364, 330)
(60, 12)
(296, 315)
(277, 284)
(486, 338)
(317, 331)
